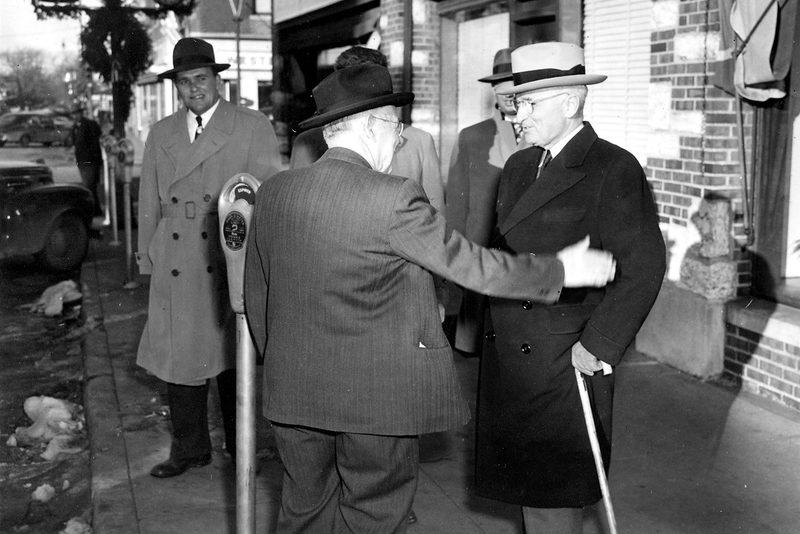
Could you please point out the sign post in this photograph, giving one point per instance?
(125, 158)
(235, 210)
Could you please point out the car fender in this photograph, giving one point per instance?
(29, 215)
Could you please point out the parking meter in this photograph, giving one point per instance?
(235, 207)
(125, 159)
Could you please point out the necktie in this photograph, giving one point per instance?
(199, 129)
(546, 157)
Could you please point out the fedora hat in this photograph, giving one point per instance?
(549, 64)
(501, 67)
(191, 53)
(352, 90)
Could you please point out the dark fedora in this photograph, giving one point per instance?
(190, 53)
(352, 90)
(501, 67)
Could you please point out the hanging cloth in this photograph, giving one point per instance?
(761, 26)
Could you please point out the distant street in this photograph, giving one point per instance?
(60, 159)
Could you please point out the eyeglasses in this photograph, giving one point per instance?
(398, 125)
(520, 103)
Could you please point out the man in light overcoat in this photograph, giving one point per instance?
(189, 336)
(339, 296)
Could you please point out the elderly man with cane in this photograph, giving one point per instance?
(532, 443)
(340, 300)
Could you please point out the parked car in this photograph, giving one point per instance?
(40, 218)
(25, 127)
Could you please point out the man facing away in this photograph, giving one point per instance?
(532, 445)
(480, 153)
(340, 300)
(189, 336)
(415, 158)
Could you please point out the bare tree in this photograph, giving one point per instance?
(35, 86)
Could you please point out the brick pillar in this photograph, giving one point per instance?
(424, 57)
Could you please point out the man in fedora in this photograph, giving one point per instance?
(189, 336)
(532, 444)
(415, 158)
(340, 300)
(475, 164)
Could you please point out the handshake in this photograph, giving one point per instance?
(584, 266)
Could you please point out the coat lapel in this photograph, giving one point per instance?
(563, 172)
(214, 137)
(177, 143)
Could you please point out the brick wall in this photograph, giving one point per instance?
(703, 126)
(424, 57)
(763, 365)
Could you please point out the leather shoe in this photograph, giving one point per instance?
(174, 467)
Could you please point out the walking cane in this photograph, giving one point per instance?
(235, 210)
(598, 458)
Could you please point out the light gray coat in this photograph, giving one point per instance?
(189, 334)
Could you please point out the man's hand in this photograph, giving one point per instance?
(584, 266)
(584, 361)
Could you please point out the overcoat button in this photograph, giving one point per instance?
(175, 235)
(207, 197)
(490, 335)
(209, 269)
(175, 272)
(174, 200)
(527, 305)
(525, 348)
(204, 235)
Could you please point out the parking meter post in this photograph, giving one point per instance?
(106, 190)
(125, 158)
(235, 210)
(109, 143)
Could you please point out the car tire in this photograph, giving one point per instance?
(25, 140)
(2, 144)
(66, 244)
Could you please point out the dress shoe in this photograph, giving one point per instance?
(174, 467)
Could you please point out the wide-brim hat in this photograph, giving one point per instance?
(549, 64)
(501, 67)
(192, 53)
(352, 90)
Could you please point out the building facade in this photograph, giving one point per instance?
(723, 167)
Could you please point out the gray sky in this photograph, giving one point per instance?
(20, 28)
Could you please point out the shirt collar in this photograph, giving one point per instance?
(558, 147)
(191, 122)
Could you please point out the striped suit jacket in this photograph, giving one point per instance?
(340, 298)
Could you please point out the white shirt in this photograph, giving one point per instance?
(191, 121)
(558, 147)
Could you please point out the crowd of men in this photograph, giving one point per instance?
(550, 232)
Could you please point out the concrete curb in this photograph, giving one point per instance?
(113, 501)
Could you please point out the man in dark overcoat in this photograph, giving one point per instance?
(189, 336)
(475, 164)
(340, 300)
(88, 154)
(532, 445)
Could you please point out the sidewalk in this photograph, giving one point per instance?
(689, 457)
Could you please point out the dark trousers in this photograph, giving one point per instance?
(188, 406)
(90, 176)
(335, 482)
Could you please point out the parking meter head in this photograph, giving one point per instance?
(235, 206)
